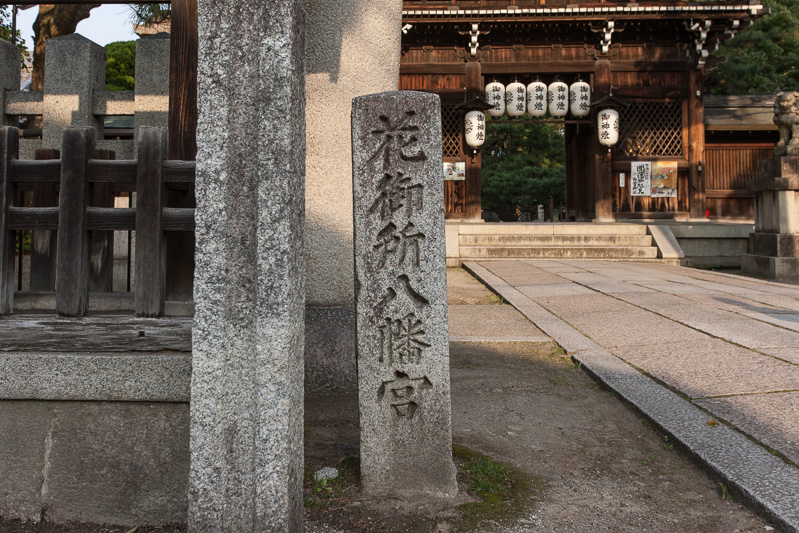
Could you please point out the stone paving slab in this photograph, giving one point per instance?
(736, 304)
(590, 304)
(521, 274)
(786, 354)
(469, 322)
(784, 320)
(730, 326)
(772, 417)
(558, 289)
(711, 368)
(634, 327)
(694, 363)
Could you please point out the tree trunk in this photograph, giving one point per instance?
(53, 21)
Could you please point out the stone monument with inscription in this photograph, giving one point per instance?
(401, 295)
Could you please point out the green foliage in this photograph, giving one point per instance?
(120, 66)
(505, 494)
(5, 32)
(319, 494)
(523, 165)
(150, 13)
(764, 59)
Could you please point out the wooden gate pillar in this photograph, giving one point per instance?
(696, 144)
(603, 176)
(474, 177)
(182, 140)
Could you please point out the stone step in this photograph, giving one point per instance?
(552, 228)
(559, 252)
(555, 240)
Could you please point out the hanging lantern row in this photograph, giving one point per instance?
(537, 98)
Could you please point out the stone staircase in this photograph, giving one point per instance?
(615, 241)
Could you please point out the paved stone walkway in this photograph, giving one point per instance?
(690, 348)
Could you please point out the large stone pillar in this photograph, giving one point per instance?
(353, 49)
(74, 70)
(9, 78)
(247, 371)
(151, 100)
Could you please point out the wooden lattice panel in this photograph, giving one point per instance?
(451, 130)
(651, 129)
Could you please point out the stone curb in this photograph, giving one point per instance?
(766, 482)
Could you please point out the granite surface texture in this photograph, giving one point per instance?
(248, 340)
(401, 295)
(9, 77)
(162, 377)
(68, 90)
(151, 100)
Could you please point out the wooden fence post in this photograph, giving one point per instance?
(9, 150)
(150, 241)
(101, 265)
(72, 278)
(44, 241)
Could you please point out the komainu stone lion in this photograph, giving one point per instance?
(786, 117)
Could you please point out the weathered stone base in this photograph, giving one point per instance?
(330, 350)
(783, 269)
(121, 463)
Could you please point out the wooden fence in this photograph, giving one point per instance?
(729, 169)
(76, 177)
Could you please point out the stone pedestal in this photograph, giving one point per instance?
(774, 246)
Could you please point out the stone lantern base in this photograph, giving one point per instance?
(774, 246)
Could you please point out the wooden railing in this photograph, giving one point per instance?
(75, 176)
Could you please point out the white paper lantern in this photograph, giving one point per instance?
(580, 98)
(537, 99)
(608, 127)
(558, 96)
(475, 128)
(495, 95)
(515, 99)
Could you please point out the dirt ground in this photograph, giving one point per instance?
(596, 464)
(591, 462)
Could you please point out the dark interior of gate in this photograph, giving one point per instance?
(654, 55)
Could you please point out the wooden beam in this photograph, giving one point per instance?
(543, 67)
(46, 333)
(660, 93)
